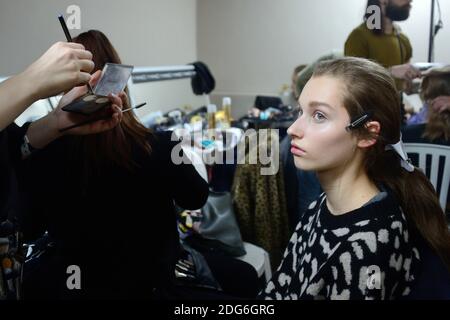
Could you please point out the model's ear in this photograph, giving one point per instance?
(373, 127)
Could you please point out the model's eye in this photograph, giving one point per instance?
(319, 116)
(300, 111)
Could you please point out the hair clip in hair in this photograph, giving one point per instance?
(400, 150)
(359, 122)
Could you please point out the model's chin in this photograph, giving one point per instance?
(304, 164)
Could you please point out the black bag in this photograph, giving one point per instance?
(203, 82)
(263, 103)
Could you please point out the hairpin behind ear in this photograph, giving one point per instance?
(360, 121)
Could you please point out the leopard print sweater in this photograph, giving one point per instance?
(364, 254)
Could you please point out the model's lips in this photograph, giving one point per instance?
(296, 150)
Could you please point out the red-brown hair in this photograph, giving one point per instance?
(113, 146)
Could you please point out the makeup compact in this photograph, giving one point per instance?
(114, 78)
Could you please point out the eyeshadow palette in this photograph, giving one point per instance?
(114, 78)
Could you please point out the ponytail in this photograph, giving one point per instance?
(418, 200)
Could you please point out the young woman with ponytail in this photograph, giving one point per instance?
(367, 234)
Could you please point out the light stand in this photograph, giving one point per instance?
(432, 34)
(434, 29)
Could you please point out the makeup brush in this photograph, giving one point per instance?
(69, 39)
(99, 118)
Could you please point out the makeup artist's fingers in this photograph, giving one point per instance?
(117, 116)
(106, 124)
(85, 65)
(112, 113)
(71, 95)
(59, 69)
(405, 71)
(73, 45)
(124, 97)
(83, 54)
(83, 78)
(117, 112)
(84, 75)
(115, 100)
(95, 77)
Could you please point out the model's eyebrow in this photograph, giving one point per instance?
(314, 104)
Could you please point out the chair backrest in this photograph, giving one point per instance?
(436, 152)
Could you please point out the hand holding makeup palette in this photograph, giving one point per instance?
(114, 78)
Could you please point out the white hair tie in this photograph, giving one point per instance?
(400, 150)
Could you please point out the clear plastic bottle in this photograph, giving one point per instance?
(212, 109)
(226, 105)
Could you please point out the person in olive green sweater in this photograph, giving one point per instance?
(386, 45)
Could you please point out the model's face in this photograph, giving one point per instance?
(398, 10)
(320, 141)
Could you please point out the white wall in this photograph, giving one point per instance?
(417, 27)
(144, 32)
(252, 46)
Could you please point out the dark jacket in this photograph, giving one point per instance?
(120, 228)
(10, 140)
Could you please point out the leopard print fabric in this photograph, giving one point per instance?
(260, 206)
(365, 254)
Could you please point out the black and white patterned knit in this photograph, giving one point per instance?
(364, 254)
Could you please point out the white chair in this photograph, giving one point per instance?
(436, 152)
(259, 259)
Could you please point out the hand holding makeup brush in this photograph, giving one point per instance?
(107, 118)
(103, 120)
(57, 123)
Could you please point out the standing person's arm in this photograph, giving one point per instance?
(405, 72)
(62, 67)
